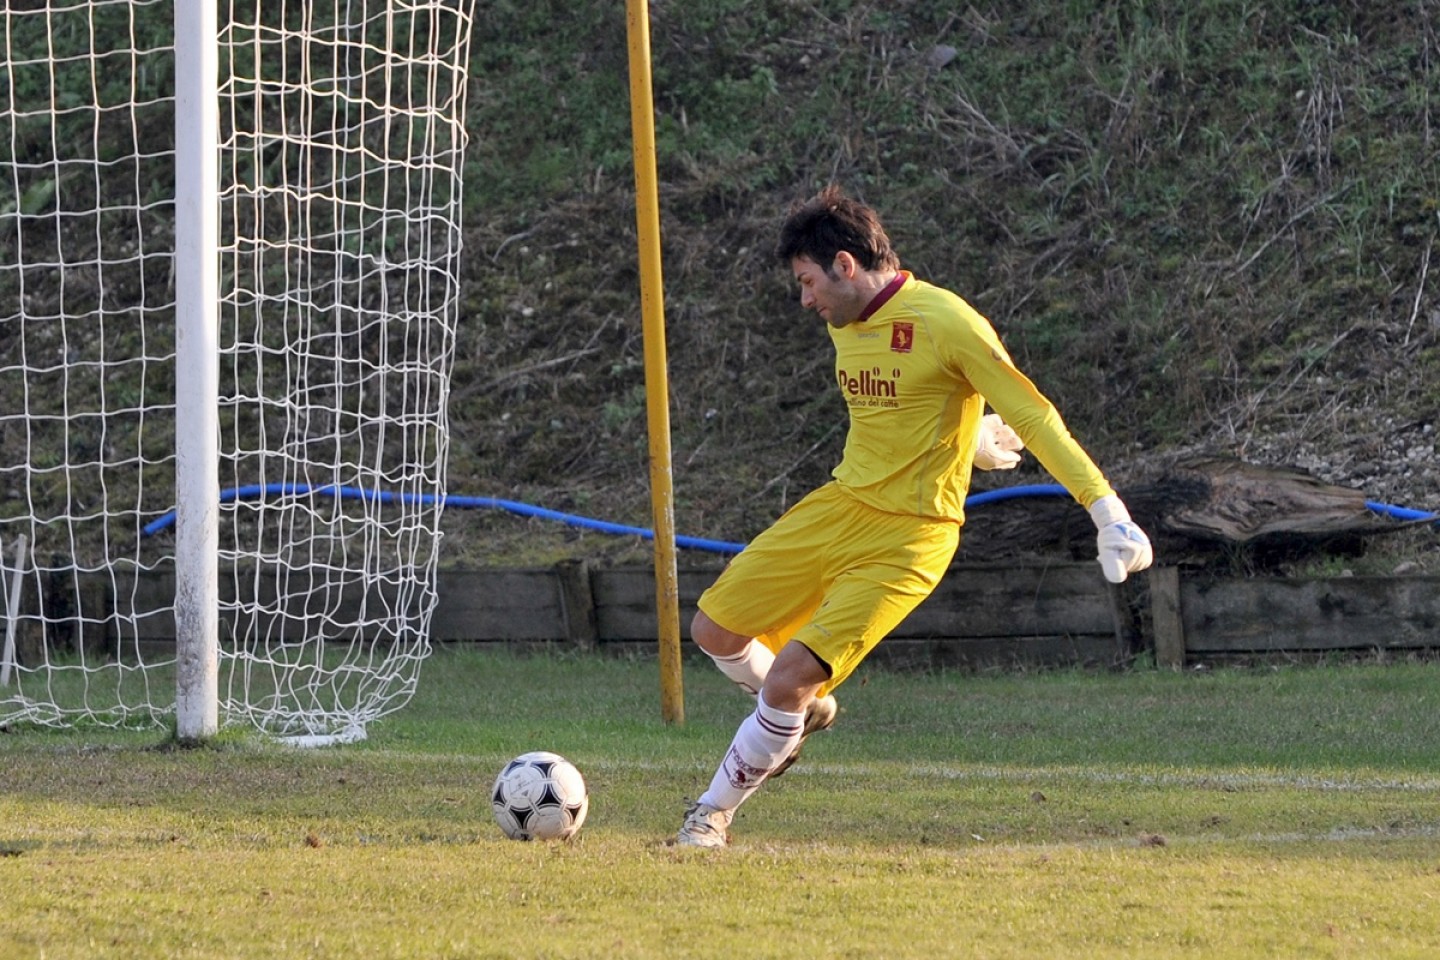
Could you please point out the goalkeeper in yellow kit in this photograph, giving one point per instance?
(797, 611)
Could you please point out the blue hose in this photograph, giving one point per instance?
(261, 490)
(1015, 493)
(258, 490)
(1400, 513)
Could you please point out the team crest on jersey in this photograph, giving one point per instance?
(902, 337)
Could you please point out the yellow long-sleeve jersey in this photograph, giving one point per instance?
(916, 376)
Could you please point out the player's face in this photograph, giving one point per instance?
(831, 294)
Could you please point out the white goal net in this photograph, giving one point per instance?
(340, 143)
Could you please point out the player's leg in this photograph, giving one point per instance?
(767, 592)
(886, 566)
(747, 662)
(885, 574)
(764, 740)
(877, 568)
(743, 659)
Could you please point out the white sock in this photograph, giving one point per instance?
(765, 738)
(748, 668)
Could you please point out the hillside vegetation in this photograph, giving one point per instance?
(1198, 226)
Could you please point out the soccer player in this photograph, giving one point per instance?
(796, 612)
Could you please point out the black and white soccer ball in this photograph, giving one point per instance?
(540, 796)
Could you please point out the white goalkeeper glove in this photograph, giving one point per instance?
(999, 447)
(1124, 549)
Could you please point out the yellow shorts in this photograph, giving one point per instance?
(834, 574)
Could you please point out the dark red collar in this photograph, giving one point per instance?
(883, 297)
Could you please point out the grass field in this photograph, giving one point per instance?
(1289, 812)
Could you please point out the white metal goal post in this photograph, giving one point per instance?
(229, 242)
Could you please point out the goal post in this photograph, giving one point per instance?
(197, 372)
(657, 384)
(231, 260)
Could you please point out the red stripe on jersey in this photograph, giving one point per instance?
(883, 297)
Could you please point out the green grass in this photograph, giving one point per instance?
(1287, 812)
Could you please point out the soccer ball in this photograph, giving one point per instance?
(540, 796)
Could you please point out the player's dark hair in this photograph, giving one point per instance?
(829, 222)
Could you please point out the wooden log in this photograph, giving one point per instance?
(971, 601)
(577, 601)
(1198, 511)
(999, 652)
(1015, 601)
(1334, 613)
(625, 601)
(499, 605)
(1167, 627)
(1232, 501)
(993, 614)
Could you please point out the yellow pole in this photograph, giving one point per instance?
(657, 389)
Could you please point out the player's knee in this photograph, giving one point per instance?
(795, 678)
(715, 639)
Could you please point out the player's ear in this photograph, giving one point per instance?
(845, 264)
